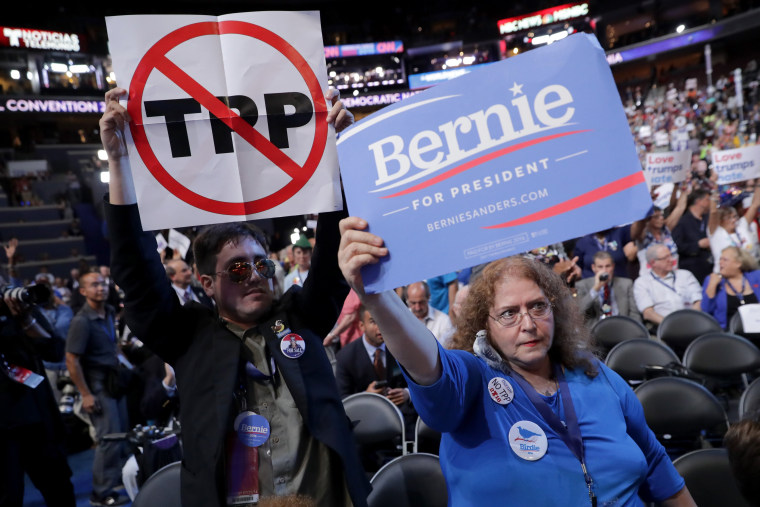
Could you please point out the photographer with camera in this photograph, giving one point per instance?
(604, 294)
(31, 429)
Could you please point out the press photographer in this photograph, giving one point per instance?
(31, 430)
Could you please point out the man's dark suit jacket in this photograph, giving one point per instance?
(206, 355)
(355, 371)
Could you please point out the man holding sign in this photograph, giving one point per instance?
(254, 376)
(209, 143)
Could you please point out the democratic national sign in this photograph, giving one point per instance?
(228, 116)
(740, 164)
(667, 167)
(523, 153)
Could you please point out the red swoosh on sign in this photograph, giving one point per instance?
(481, 160)
(597, 194)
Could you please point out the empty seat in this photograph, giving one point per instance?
(721, 355)
(736, 326)
(680, 328)
(413, 480)
(749, 403)
(379, 429)
(161, 488)
(426, 439)
(613, 330)
(683, 414)
(708, 476)
(638, 359)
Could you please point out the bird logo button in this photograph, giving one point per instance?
(528, 440)
(501, 390)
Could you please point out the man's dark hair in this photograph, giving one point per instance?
(212, 239)
(696, 195)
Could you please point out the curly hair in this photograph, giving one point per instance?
(572, 346)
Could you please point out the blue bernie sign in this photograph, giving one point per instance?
(516, 155)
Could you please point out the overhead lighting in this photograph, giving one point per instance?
(453, 62)
(680, 28)
(102, 155)
(105, 176)
(515, 51)
(29, 75)
(294, 237)
(548, 39)
(468, 60)
(15, 74)
(59, 67)
(79, 69)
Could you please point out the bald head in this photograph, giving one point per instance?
(417, 297)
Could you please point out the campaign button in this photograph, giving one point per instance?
(293, 346)
(501, 390)
(528, 440)
(252, 429)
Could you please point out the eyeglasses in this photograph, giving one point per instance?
(241, 271)
(511, 318)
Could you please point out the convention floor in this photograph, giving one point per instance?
(81, 465)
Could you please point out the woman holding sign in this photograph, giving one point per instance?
(528, 416)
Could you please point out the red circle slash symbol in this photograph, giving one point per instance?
(156, 58)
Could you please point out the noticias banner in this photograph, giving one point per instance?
(516, 155)
(740, 164)
(667, 167)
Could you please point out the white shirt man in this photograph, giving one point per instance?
(418, 296)
(665, 289)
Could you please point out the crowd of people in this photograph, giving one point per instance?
(233, 336)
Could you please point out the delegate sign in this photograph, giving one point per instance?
(740, 164)
(228, 116)
(667, 167)
(523, 153)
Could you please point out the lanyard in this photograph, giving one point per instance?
(567, 430)
(248, 370)
(738, 294)
(108, 328)
(673, 287)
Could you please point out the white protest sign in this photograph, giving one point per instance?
(178, 241)
(228, 116)
(740, 164)
(667, 167)
(161, 242)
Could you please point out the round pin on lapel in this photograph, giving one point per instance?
(292, 346)
(501, 390)
(252, 429)
(528, 440)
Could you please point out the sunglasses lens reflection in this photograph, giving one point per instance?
(240, 272)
